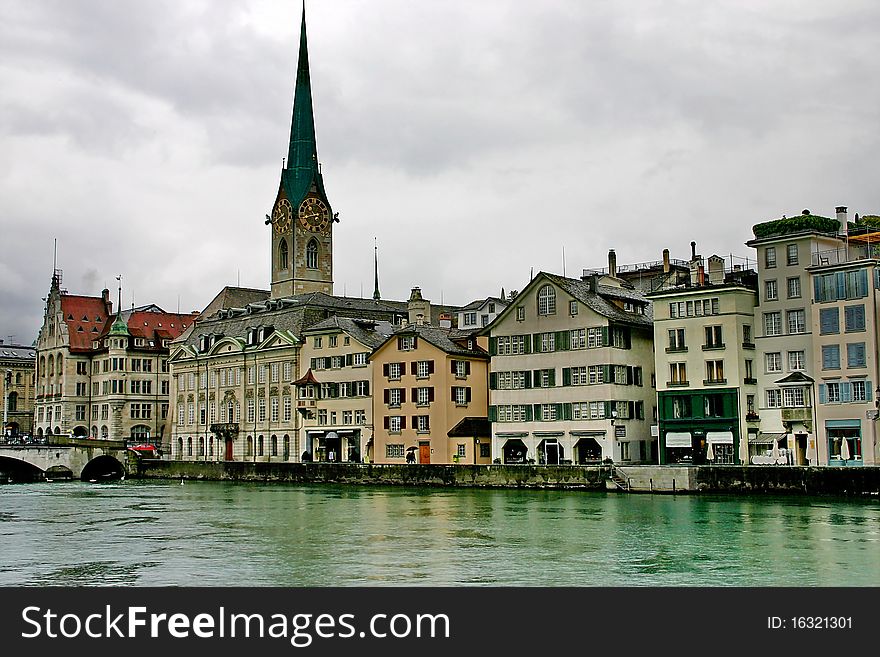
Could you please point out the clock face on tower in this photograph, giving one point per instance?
(314, 215)
(282, 216)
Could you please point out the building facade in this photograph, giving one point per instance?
(571, 376)
(430, 393)
(334, 396)
(480, 313)
(101, 374)
(17, 365)
(705, 363)
(785, 337)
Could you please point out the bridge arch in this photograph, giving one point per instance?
(14, 470)
(103, 468)
(80, 431)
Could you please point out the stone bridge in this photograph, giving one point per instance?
(65, 458)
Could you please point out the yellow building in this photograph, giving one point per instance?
(17, 364)
(430, 393)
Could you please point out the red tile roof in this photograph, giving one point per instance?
(85, 313)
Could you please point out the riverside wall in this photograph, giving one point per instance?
(641, 479)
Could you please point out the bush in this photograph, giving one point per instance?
(797, 224)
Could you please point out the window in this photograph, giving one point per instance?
(470, 319)
(831, 357)
(548, 341)
(859, 391)
(274, 369)
(282, 254)
(261, 373)
(829, 321)
(796, 321)
(796, 361)
(406, 343)
(423, 369)
(286, 408)
(681, 407)
(318, 342)
(749, 371)
(793, 398)
(360, 417)
(547, 300)
(424, 396)
(747, 334)
(423, 424)
(461, 395)
(772, 324)
(286, 375)
(773, 361)
(520, 313)
(322, 417)
(312, 254)
(394, 397)
(771, 293)
(250, 410)
(770, 257)
(461, 368)
(774, 398)
(395, 424)
(80, 411)
(676, 340)
(572, 308)
(678, 374)
(794, 287)
(855, 354)
(713, 337)
(394, 371)
(577, 339)
(394, 451)
(833, 393)
(337, 362)
(80, 369)
(715, 371)
(273, 409)
(791, 254)
(460, 450)
(854, 318)
(713, 406)
(548, 412)
(359, 359)
(334, 340)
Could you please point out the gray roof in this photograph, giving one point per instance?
(17, 351)
(479, 303)
(368, 332)
(600, 301)
(444, 339)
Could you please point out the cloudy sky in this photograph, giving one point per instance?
(474, 140)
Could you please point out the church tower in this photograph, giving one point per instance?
(302, 219)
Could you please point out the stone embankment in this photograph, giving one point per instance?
(641, 479)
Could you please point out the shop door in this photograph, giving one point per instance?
(424, 452)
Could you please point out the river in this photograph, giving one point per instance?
(232, 534)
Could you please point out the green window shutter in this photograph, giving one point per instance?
(608, 409)
(561, 340)
(536, 411)
(527, 343)
(493, 381)
(528, 379)
(629, 375)
(627, 338)
(528, 413)
(605, 336)
(536, 342)
(566, 411)
(560, 411)
(553, 377)
(493, 346)
(566, 376)
(536, 378)
(606, 374)
(349, 359)
(493, 414)
(632, 409)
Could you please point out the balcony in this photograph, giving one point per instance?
(676, 350)
(752, 417)
(714, 382)
(677, 384)
(713, 347)
(797, 414)
(843, 255)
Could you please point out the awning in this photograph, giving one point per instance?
(719, 437)
(765, 438)
(588, 433)
(679, 439)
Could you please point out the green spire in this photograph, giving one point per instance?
(119, 326)
(376, 294)
(301, 170)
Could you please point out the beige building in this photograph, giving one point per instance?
(784, 335)
(17, 364)
(102, 374)
(705, 363)
(846, 285)
(334, 396)
(571, 376)
(430, 393)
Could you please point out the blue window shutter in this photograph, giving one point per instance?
(845, 392)
(822, 393)
(817, 289)
(869, 391)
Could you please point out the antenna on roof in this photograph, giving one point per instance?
(119, 304)
(563, 259)
(178, 304)
(239, 278)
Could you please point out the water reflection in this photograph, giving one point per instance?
(210, 533)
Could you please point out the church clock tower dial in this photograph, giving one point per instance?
(282, 216)
(314, 215)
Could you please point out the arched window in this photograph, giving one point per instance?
(189, 446)
(43, 366)
(105, 432)
(286, 447)
(179, 448)
(18, 378)
(260, 446)
(547, 300)
(274, 446)
(312, 254)
(60, 364)
(12, 404)
(282, 254)
(94, 432)
(250, 447)
(211, 446)
(140, 432)
(50, 371)
(201, 446)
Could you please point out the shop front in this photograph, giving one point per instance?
(844, 442)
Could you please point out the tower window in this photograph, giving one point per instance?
(312, 254)
(282, 254)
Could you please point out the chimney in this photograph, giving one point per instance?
(665, 261)
(693, 250)
(716, 270)
(841, 216)
(592, 281)
(612, 263)
(445, 320)
(105, 297)
(419, 309)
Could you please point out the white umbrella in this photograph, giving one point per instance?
(775, 453)
(710, 453)
(844, 449)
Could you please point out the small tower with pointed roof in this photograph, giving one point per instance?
(302, 218)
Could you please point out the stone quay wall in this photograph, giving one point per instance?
(776, 480)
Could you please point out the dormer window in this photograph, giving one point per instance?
(406, 343)
(547, 300)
